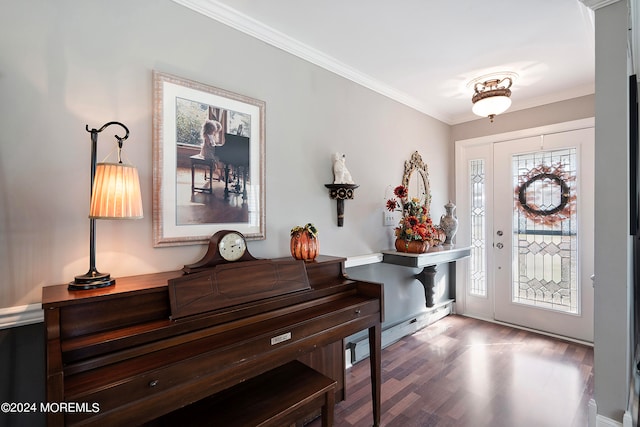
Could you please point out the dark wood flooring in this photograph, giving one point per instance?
(466, 372)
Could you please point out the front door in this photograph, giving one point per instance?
(543, 233)
(531, 224)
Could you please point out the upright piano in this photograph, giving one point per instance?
(128, 354)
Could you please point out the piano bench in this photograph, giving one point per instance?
(277, 398)
(197, 161)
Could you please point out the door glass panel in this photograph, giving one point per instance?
(544, 256)
(478, 220)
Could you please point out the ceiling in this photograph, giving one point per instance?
(424, 53)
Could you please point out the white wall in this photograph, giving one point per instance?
(65, 64)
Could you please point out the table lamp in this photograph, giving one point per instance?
(115, 194)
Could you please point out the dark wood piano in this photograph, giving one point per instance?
(234, 155)
(124, 356)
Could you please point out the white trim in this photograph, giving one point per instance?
(524, 328)
(241, 22)
(21, 315)
(597, 4)
(602, 421)
(525, 133)
(592, 408)
(596, 420)
(355, 261)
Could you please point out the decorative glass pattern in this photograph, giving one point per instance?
(478, 221)
(544, 242)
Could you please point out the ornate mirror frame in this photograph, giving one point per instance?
(415, 164)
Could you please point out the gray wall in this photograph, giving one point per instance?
(65, 64)
(612, 246)
(557, 112)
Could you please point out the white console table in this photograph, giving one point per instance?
(429, 262)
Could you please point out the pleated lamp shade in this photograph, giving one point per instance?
(116, 192)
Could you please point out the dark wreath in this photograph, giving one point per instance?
(564, 198)
(558, 175)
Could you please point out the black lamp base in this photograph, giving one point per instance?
(91, 281)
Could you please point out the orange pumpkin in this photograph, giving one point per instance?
(304, 246)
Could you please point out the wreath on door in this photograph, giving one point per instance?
(550, 175)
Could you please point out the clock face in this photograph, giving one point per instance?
(232, 246)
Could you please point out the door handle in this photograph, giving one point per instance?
(499, 245)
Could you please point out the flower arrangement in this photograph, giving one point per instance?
(416, 224)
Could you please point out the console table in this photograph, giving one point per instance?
(429, 262)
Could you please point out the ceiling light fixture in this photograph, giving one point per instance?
(492, 95)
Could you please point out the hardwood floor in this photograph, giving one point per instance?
(466, 372)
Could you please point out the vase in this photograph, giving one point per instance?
(449, 223)
(304, 246)
(412, 246)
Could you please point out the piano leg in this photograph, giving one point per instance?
(244, 185)
(375, 342)
(226, 182)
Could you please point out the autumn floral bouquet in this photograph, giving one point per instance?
(416, 224)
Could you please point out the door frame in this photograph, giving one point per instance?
(461, 197)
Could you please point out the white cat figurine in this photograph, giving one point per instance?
(340, 173)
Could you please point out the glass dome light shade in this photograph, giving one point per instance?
(491, 105)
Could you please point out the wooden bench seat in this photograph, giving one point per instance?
(277, 398)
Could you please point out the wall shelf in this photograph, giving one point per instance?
(432, 257)
(429, 262)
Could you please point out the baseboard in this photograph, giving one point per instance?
(596, 420)
(21, 315)
(513, 325)
(358, 260)
(602, 421)
(627, 420)
(359, 350)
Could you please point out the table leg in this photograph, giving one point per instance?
(193, 175)
(375, 343)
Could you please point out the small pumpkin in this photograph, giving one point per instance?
(304, 242)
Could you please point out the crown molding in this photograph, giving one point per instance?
(241, 22)
(597, 4)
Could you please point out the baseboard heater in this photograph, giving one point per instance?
(358, 350)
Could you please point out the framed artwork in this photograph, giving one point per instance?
(208, 162)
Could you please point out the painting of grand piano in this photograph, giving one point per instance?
(208, 162)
